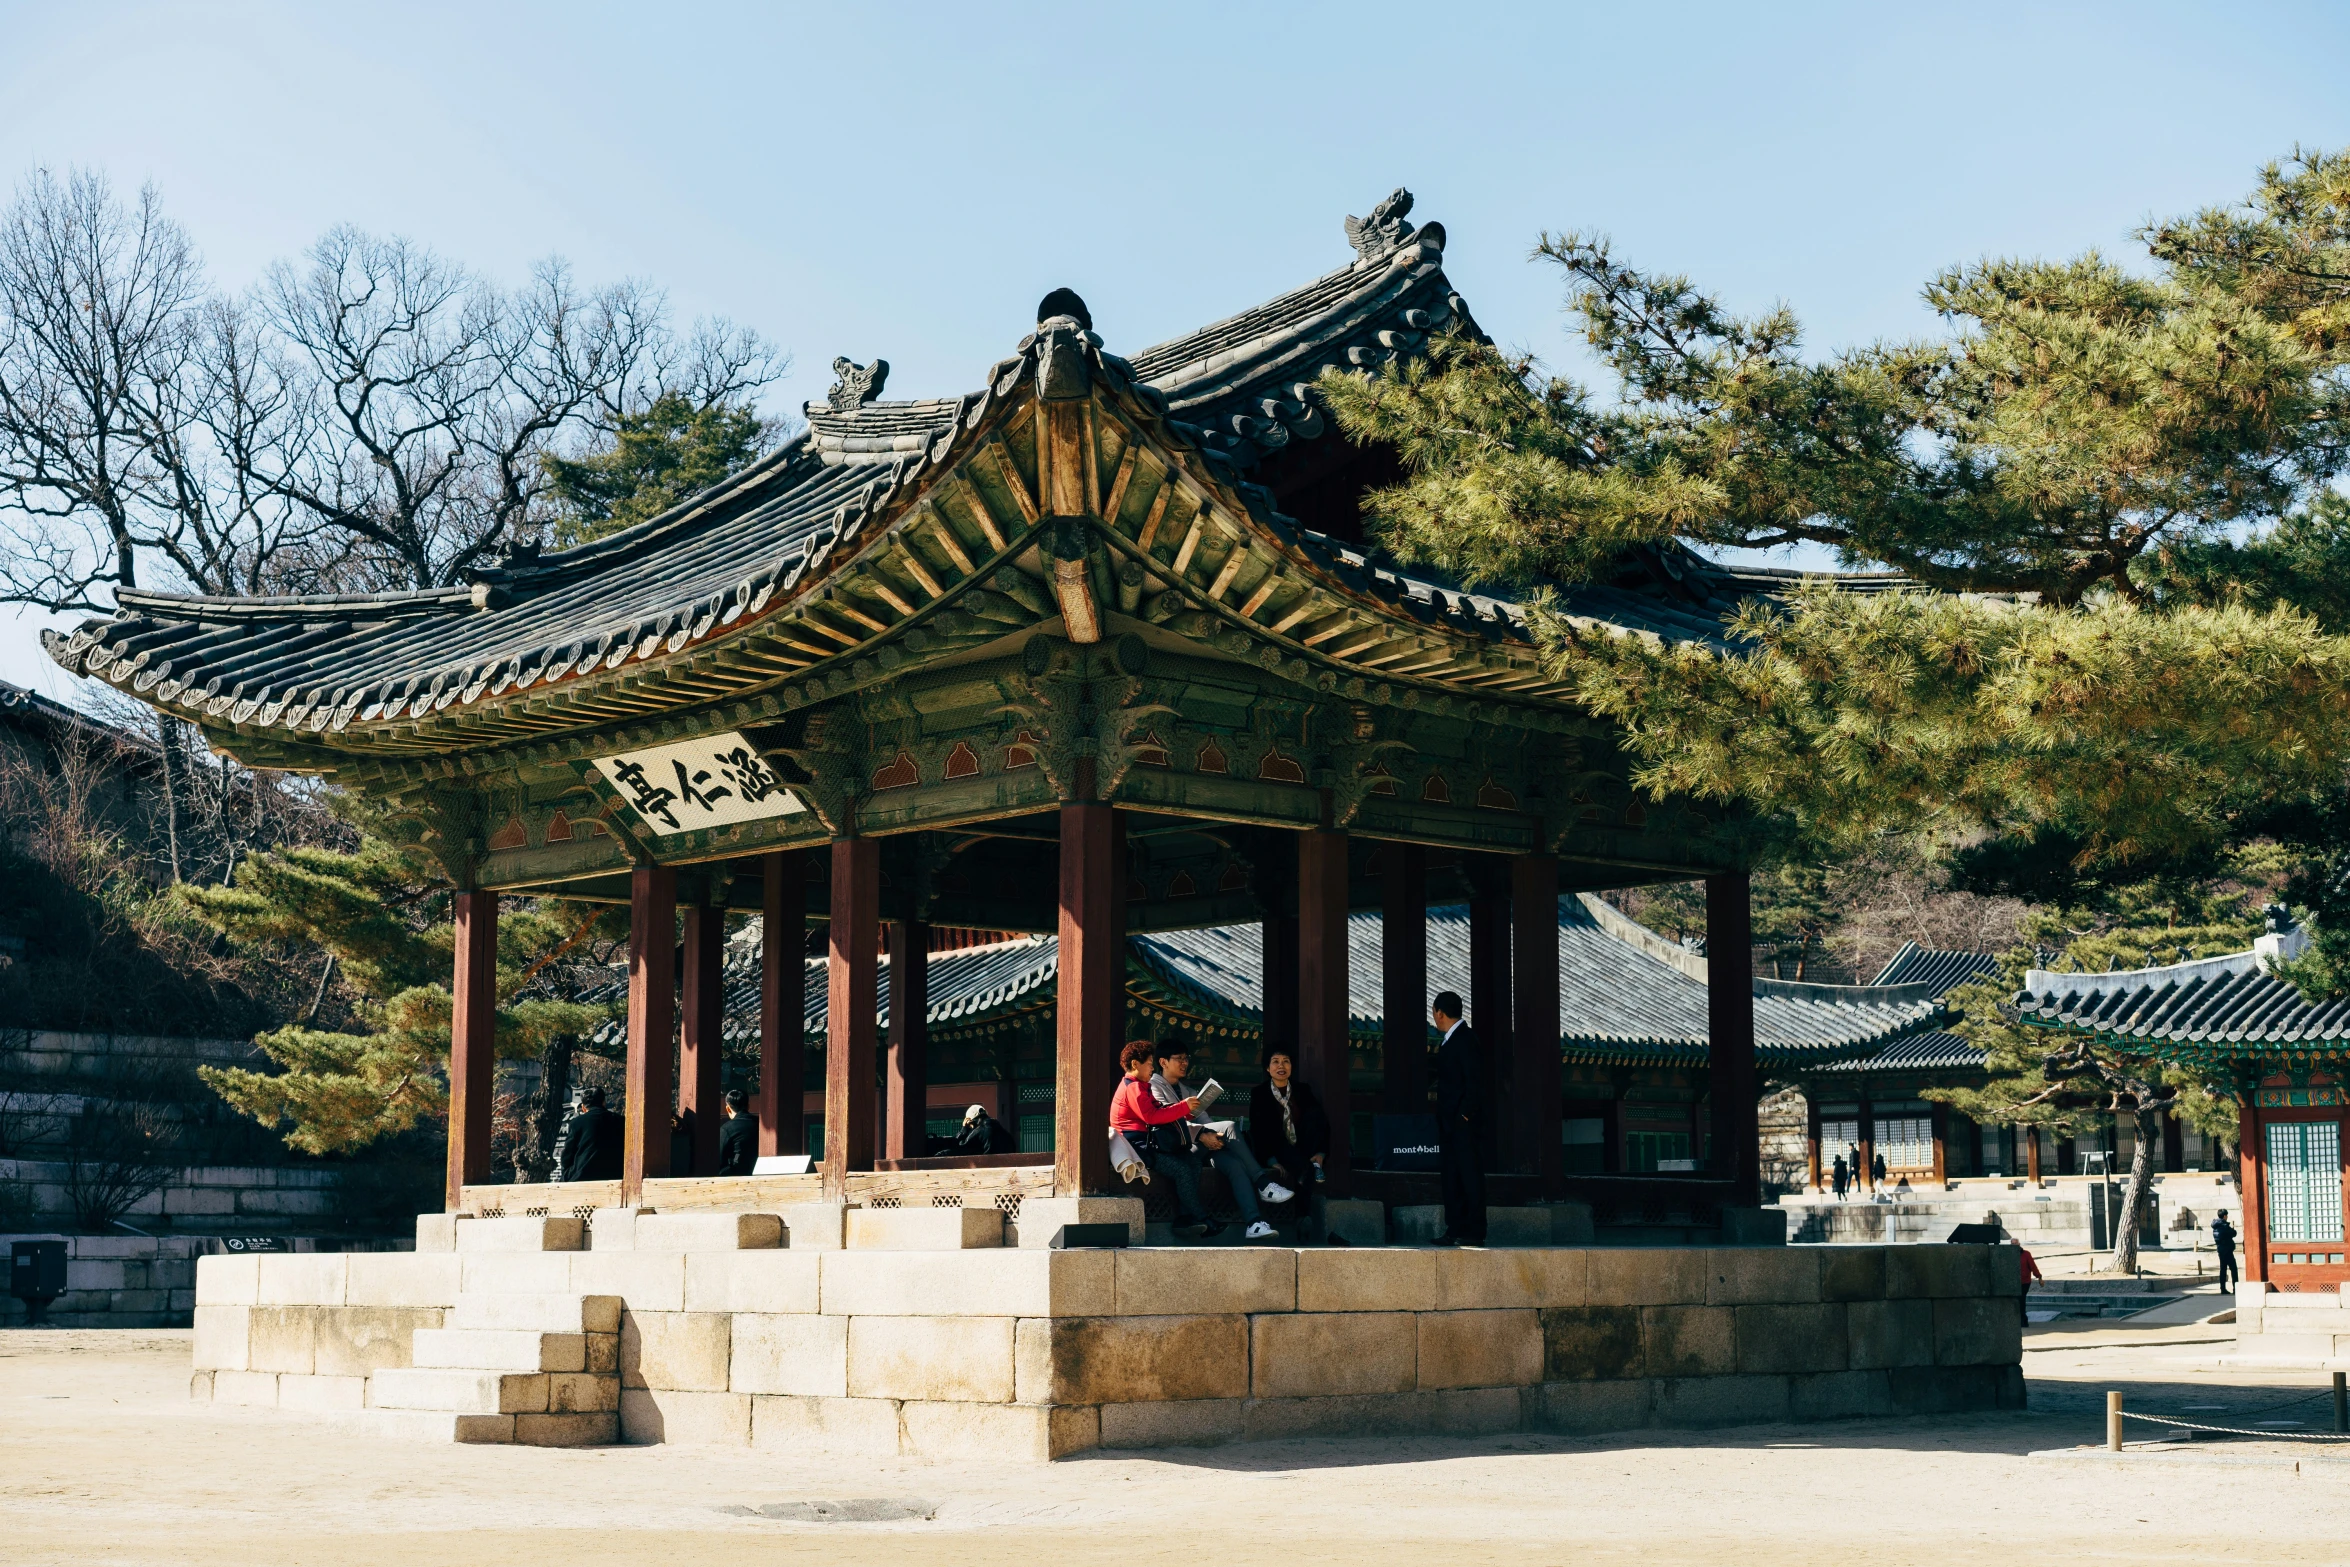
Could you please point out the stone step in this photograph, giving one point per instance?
(536, 1313)
(432, 1425)
(498, 1349)
(458, 1392)
(521, 1233)
(924, 1229)
(548, 1430)
(708, 1231)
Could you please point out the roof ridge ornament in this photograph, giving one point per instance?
(853, 386)
(1384, 230)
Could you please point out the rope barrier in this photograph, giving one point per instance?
(2115, 1414)
(2191, 1425)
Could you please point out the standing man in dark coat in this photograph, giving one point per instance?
(1460, 1123)
(2223, 1241)
(738, 1136)
(591, 1143)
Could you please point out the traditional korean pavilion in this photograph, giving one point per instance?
(1633, 1019)
(1096, 648)
(2235, 1018)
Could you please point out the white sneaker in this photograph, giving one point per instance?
(1260, 1231)
(1274, 1191)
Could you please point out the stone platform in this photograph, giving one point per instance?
(918, 1331)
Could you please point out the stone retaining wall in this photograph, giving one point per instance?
(991, 1352)
(239, 1199)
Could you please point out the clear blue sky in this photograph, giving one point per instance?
(908, 180)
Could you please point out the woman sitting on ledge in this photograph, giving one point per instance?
(1286, 1124)
(1158, 1134)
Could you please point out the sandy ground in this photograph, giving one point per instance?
(103, 1460)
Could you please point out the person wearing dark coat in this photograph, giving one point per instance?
(982, 1133)
(591, 1142)
(2223, 1241)
(1460, 1123)
(1286, 1125)
(738, 1136)
(681, 1144)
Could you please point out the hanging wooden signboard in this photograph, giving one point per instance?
(714, 781)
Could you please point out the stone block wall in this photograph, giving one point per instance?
(998, 1351)
(209, 1199)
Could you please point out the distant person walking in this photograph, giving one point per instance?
(1876, 1169)
(738, 1137)
(1838, 1176)
(2223, 1241)
(2032, 1276)
(1460, 1122)
(591, 1142)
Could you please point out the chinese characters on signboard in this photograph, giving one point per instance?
(711, 782)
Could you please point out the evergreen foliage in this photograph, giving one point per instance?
(382, 913)
(670, 450)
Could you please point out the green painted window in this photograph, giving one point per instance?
(2304, 1181)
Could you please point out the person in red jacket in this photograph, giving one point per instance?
(1136, 1112)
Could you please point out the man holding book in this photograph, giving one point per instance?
(1216, 1141)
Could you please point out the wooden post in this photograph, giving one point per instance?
(1281, 980)
(473, 1030)
(2251, 1149)
(1322, 986)
(1489, 1007)
(701, 1076)
(783, 1004)
(1090, 1006)
(852, 997)
(2174, 1145)
(1866, 1124)
(1534, 1016)
(1941, 1125)
(652, 1023)
(1403, 979)
(1811, 1135)
(909, 1039)
(2031, 1135)
(1729, 948)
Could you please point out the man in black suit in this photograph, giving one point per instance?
(591, 1143)
(738, 1136)
(1460, 1123)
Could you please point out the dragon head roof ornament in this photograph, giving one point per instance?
(854, 385)
(1384, 229)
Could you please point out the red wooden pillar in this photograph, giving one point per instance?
(1403, 978)
(1534, 1016)
(1321, 993)
(2251, 1145)
(701, 1075)
(852, 998)
(783, 1004)
(1090, 1004)
(1941, 1122)
(2031, 1136)
(1489, 1008)
(1281, 981)
(1811, 1135)
(473, 1029)
(909, 1040)
(1729, 947)
(652, 1024)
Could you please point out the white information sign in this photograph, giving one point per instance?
(710, 782)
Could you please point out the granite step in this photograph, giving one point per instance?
(498, 1349)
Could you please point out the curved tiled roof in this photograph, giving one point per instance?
(1938, 1050)
(1617, 1002)
(363, 672)
(2210, 1007)
(1942, 967)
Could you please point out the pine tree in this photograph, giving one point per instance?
(381, 912)
(2113, 484)
(672, 449)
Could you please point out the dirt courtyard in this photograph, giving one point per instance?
(103, 1460)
